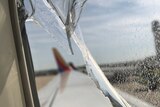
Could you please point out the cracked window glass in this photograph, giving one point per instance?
(123, 37)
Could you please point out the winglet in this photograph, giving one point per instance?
(62, 65)
(64, 69)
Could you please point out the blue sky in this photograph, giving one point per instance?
(114, 31)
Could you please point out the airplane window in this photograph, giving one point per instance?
(123, 37)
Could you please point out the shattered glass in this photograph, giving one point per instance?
(59, 19)
(97, 75)
(61, 15)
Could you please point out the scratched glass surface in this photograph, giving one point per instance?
(61, 15)
(123, 37)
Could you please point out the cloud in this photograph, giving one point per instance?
(125, 14)
(118, 29)
(120, 23)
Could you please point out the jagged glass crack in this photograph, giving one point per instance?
(96, 73)
(59, 18)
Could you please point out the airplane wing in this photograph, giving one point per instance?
(74, 89)
(71, 89)
(80, 91)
